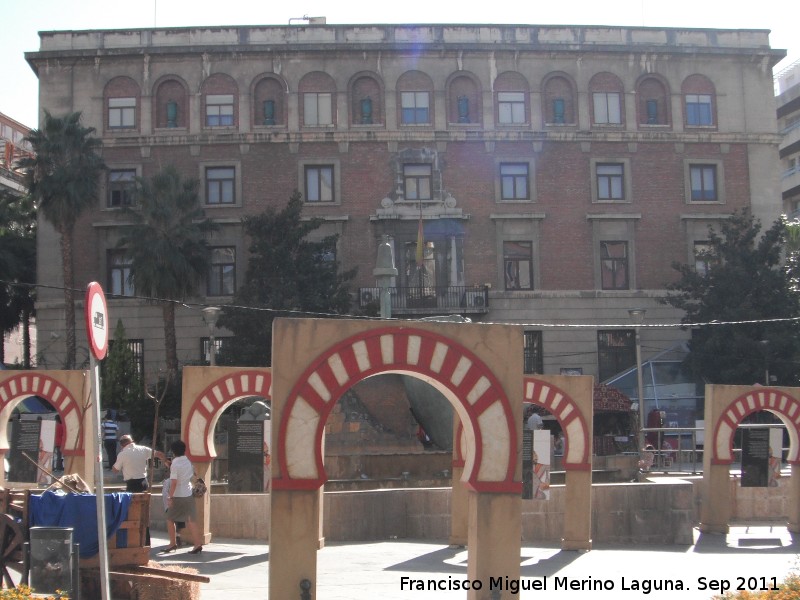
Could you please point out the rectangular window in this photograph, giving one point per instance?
(704, 183)
(317, 109)
(220, 185)
(607, 108)
(119, 273)
(417, 180)
(704, 257)
(532, 352)
(222, 275)
(136, 348)
(518, 265)
(205, 346)
(698, 109)
(319, 183)
(610, 181)
(219, 110)
(514, 181)
(122, 113)
(616, 351)
(511, 107)
(121, 187)
(614, 265)
(415, 107)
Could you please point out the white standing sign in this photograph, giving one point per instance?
(96, 313)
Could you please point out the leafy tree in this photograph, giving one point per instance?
(62, 177)
(745, 281)
(167, 247)
(285, 272)
(121, 384)
(17, 267)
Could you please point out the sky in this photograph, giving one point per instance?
(23, 21)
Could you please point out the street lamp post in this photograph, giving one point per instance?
(384, 271)
(211, 314)
(637, 316)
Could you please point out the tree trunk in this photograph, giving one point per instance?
(170, 342)
(26, 339)
(69, 296)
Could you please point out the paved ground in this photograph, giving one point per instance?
(755, 553)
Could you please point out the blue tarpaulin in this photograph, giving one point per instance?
(79, 511)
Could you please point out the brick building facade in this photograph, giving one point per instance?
(558, 171)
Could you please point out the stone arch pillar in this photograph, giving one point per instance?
(569, 400)
(68, 392)
(725, 407)
(207, 392)
(478, 368)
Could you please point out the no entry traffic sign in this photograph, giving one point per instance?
(96, 312)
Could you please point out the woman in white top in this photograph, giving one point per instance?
(180, 502)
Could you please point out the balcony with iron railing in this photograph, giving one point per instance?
(429, 300)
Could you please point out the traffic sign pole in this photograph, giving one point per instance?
(96, 314)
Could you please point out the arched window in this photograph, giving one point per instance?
(607, 100)
(122, 99)
(366, 100)
(171, 104)
(512, 99)
(463, 99)
(699, 98)
(559, 99)
(220, 102)
(415, 99)
(269, 102)
(317, 100)
(652, 98)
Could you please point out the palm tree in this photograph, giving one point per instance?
(62, 176)
(167, 247)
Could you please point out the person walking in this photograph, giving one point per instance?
(58, 445)
(110, 429)
(180, 501)
(132, 462)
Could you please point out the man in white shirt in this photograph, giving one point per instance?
(133, 462)
(534, 420)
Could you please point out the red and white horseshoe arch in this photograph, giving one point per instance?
(59, 389)
(774, 400)
(208, 405)
(460, 374)
(578, 443)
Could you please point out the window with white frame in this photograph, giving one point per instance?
(220, 185)
(607, 108)
(704, 257)
(121, 187)
(319, 182)
(219, 110)
(418, 182)
(518, 265)
(610, 181)
(703, 181)
(222, 273)
(317, 109)
(415, 108)
(698, 110)
(119, 273)
(514, 178)
(122, 113)
(511, 107)
(614, 265)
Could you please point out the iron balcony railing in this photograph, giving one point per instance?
(452, 299)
